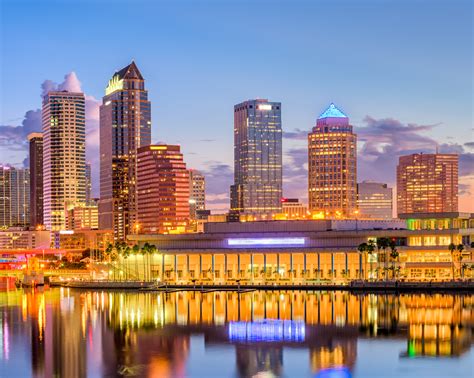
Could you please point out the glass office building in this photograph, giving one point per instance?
(257, 185)
(125, 126)
(64, 150)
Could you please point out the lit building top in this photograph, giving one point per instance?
(332, 112)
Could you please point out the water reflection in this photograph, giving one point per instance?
(72, 333)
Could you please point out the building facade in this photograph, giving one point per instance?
(163, 190)
(84, 217)
(125, 126)
(197, 193)
(88, 183)
(64, 152)
(36, 179)
(332, 166)
(292, 208)
(427, 183)
(257, 185)
(14, 197)
(374, 200)
(313, 251)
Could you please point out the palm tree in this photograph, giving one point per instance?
(362, 248)
(460, 249)
(144, 251)
(370, 250)
(452, 249)
(135, 250)
(383, 244)
(393, 256)
(126, 254)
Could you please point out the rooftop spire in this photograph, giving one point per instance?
(332, 112)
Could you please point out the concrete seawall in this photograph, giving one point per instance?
(456, 286)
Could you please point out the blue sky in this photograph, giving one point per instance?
(407, 61)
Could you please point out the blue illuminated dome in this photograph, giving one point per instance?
(332, 112)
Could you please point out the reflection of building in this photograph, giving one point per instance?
(255, 359)
(257, 157)
(197, 193)
(36, 179)
(125, 125)
(14, 196)
(374, 200)
(427, 183)
(64, 163)
(435, 327)
(163, 190)
(332, 166)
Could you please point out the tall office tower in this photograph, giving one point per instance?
(427, 183)
(163, 190)
(257, 185)
(14, 196)
(36, 179)
(125, 125)
(64, 156)
(88, 183)
(5, 196)
(374, 200)
(332, 165)
(197, 192)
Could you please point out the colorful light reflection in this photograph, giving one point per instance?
(334, 372)
(268, 330)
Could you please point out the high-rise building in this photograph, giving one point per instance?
(332, 165)
(88, 183)
(427, 183)
(14, 196)
(163, 190)
(257, 185)
(64, 156)
(374, 200)
(36, 179)
(125, 125)
(197, 192)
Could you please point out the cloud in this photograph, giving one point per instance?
(295, 173)
(382, 141)
(297, 134)
(469, 145)
(13, 138)
(219, 178)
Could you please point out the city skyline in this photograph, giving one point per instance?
(413, 116)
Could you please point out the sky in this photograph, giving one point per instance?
(401, 70)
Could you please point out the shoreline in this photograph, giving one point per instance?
(142, 286)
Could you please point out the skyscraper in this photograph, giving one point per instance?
(257, 185)
(197, 190)
(427, 183)
(14, 196)
(64, 160)
(374, 200)
(36, 179)
(332, 165)
(125, 126)
(88, 183)
(163, 190)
